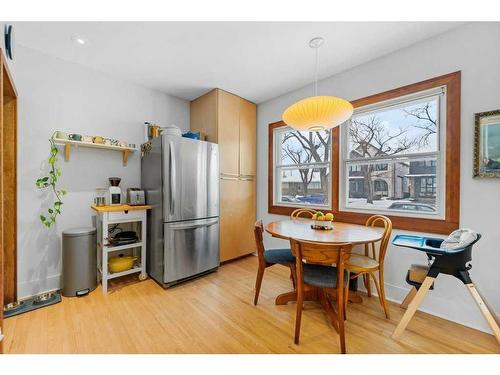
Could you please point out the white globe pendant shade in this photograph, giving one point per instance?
(318, 113)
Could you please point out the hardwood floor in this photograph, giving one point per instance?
(215, 314)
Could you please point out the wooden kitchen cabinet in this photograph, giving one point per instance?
(228, 133)
(231, 122)
(248, 138)
(237, 217)
(203, 113)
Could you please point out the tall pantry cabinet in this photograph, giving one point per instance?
(231, 121)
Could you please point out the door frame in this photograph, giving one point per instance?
(8, 186)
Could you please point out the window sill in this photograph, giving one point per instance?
(412, 224)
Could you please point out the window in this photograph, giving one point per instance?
(395, 148)
(302, 167)
(427, 187)
(399, 155)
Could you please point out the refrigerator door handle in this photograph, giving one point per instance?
(225, 176)
(172, 178)
(191, 225)
(246, 177)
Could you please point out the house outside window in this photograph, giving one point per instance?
(393, 155)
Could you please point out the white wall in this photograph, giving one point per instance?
(57, 95)
(472, 49)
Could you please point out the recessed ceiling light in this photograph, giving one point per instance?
(79, 40)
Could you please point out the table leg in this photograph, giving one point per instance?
(330, 310)
(283, 299)
(354, 296)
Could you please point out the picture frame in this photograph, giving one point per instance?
(487, 144)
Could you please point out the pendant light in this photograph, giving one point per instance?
(317, 113)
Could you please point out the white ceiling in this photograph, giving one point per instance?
(256, 60)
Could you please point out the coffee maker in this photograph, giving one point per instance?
(115, 193)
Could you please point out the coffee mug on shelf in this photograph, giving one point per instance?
(61, 135)
(99, 140)
(75, 137)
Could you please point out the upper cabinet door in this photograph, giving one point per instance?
(248, 134)
(203, 115)
(229, 133)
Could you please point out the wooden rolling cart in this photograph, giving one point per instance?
(120, 214)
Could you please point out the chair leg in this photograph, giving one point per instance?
(408, 298)
(381, 293)
(298, 316)
(366, 281)
(340, 314)
(484, 310)
(412, 308)
(258, 283)
(293, 275)
(346, 297)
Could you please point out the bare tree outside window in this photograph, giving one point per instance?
(301, 152)
(391, 132)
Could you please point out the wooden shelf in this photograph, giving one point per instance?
(111, 248)
(134, 269)
(119, 207)
(68, 143)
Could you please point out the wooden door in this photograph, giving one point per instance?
(228, 133)
(228, 217)
(237, 217)
(8, 193)
(203, 115)
(1, 202)
(246, 222)
(248, 138)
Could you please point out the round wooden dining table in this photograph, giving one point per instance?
(300, 229)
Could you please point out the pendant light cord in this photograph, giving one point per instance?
(316, 73)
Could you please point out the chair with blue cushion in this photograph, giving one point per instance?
(319, 271)
(268, 258)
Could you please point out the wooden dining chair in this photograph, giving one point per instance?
(302, 212)
(268, 258)
(319, 271)
(372, 261)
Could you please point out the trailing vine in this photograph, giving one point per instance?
(50, 181)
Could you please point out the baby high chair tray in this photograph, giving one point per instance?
(429, 245)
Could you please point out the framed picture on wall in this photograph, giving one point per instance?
(487, 144)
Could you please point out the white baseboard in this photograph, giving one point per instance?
(27, 289)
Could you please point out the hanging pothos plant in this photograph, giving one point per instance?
(50, 181)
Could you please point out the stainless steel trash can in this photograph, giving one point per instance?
(79, 261)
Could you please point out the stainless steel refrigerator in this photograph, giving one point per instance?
(180, 177)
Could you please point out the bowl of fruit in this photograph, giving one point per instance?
(322, 221)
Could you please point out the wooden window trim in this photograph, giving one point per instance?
(452, 153)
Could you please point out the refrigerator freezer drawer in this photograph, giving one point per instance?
(191, 247)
